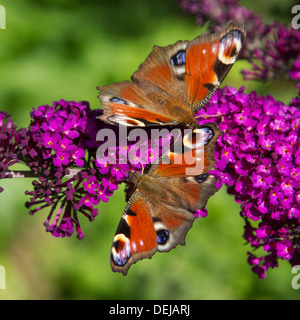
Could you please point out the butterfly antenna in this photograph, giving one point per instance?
(142, 166)
(207, 116)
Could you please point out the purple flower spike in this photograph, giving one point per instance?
(12, 141)
(57, 143)
(261, 167)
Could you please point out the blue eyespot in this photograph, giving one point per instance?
(201, 177)
(117, 100)
(178, 59)
(162, 236)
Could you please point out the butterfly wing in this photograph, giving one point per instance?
(190, 156)
(126, 103)
(188, 180)
(135, 237)
(208, 60)
(174, 81)
(146, 226)
(157, 90)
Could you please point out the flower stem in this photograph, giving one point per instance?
(9, 174)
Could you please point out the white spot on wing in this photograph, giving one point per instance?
(231, 40)
(123, 121)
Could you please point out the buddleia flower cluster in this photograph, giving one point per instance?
(12, 141)
(60, 149)
(56, 152)
(258, 159)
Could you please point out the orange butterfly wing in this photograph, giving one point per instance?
(208, 60)
(191, 156)
(135, 237)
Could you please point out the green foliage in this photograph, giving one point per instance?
(55, 49)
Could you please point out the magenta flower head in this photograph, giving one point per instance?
(295, 71)
(258, 159)
(12, 141)
(277, 56)
(60, 153)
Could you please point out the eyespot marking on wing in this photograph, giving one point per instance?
(118, 100)
(230, 46)
(178, 59)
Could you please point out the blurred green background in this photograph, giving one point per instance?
(53, 49)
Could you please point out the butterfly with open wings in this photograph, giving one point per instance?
(167, 90)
